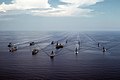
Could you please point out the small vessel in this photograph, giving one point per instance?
(66, 41)
(13, 49)
(98, 44)
(35, 51)
(52, 42)
(32, 43)
(104, 49)
(52, 55)
(10, 45)
(76, 51)
(58, 46)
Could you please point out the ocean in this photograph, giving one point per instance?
(90, 63)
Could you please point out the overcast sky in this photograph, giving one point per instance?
(65, 15)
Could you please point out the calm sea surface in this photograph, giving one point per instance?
(89, 64)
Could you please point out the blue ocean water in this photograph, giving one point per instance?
(89, 64)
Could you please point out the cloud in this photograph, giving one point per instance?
(77, 3)
(43, 8)
(24, 4)
(62, 12)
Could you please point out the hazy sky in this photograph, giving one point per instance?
(59, 15)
